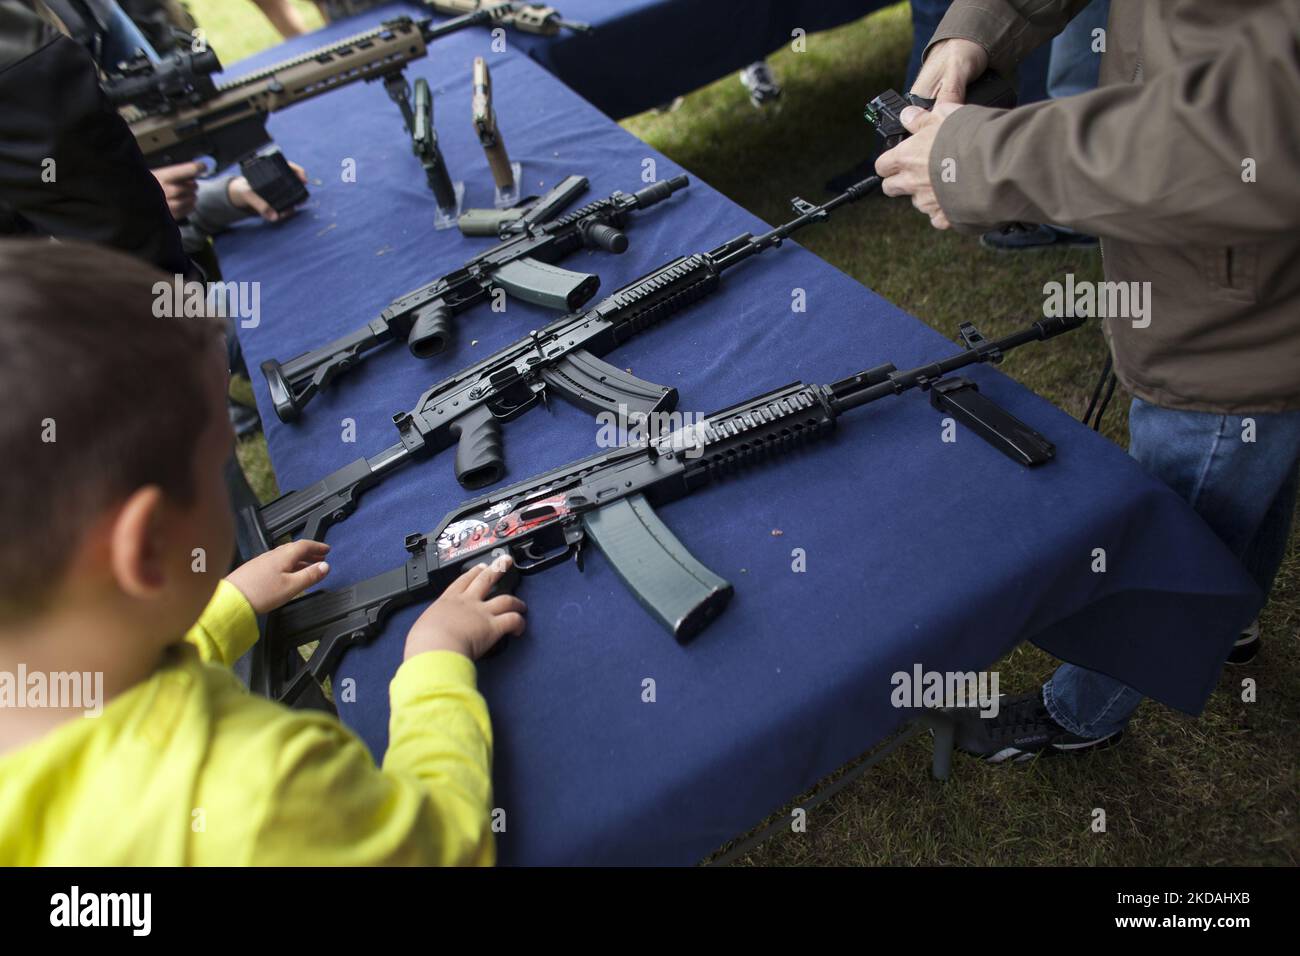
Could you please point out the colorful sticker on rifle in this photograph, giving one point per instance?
(470, 534)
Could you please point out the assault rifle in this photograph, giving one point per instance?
(608, 499)
(519, 264)
(468, 408)
(178, 112)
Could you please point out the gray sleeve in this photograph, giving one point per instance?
(214, 211)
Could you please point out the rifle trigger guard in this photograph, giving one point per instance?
(540, 562)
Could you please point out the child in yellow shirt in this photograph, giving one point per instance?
(124, 736)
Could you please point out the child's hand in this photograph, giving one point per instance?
(464, 619)
(273, 579)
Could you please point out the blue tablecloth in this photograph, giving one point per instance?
(917, 551)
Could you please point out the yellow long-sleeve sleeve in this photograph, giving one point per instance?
(226, 629)
(429, 804)
(188, 768)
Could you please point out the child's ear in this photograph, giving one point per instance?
(136, 550)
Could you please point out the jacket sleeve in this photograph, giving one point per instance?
(429, 805)
(69, 166)
(1008, 29)
(22, 30)
(213, 213)
(226, 629)
(1205, 153)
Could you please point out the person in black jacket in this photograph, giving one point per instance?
(69, 166)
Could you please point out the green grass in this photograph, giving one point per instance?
(236, 28)
(1219, 789)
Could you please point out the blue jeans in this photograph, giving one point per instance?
(926, 15)
(1073, 66)
(1245, 491)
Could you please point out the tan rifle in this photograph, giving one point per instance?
(174, 122)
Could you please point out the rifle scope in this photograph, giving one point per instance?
(179, 79)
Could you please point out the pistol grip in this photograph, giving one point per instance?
(431, 332)
(499, 162)
(991, 89)
(596, 386)
(480, 458)
(439, 180)
(506, 584)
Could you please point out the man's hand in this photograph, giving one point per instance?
(464, 619)
(905, 169)
(242, 195)
(949, 68)
(180, 186)
(273, 579)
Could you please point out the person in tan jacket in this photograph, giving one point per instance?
(1186, 162)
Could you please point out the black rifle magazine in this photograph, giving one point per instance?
(961, 398)
(670, 583)
(271, 178)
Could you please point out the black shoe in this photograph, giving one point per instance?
(1024, 236)
(1247, 646)
(1022, 730)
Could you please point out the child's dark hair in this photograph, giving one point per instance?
(98, 397)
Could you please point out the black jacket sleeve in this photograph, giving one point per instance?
(69, 166)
